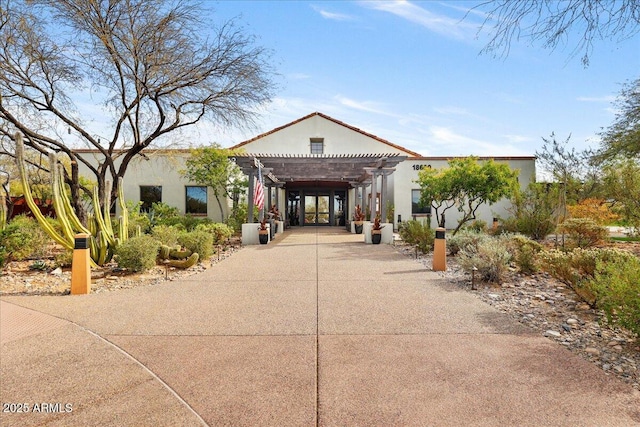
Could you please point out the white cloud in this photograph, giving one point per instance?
(333, 15)
(446, 141)
(451, 110)
(367, 106)
(441, 24)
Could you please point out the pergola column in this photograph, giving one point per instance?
(251, 175)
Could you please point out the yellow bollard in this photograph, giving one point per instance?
(80, 267)
(440, 251)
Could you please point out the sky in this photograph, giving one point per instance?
(412, 73)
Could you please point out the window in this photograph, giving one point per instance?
(317, 145)
(196, 201)
(416, 207)
(150, 194)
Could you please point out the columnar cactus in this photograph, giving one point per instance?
(3, 213)
(103, 239)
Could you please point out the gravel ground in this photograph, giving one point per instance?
(553, 310)
(18, 279)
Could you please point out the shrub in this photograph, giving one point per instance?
(578, 267)
(593, 209)
(533, 211)
(478, 225)
(490, 256)
(584, 232)
(525, 252)
(220, 231)
(197, 241)
(166, 234)
(163, 214)
(617, 288)
(23, 238)
(137, 253)
(4, 256)
(137, 218)
(239, 215)
(64, 259)
(463, 239)
(417, 233)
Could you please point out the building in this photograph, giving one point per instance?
(316, 170)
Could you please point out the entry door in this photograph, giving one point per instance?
(316, 209)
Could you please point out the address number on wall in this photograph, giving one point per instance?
(420, 167)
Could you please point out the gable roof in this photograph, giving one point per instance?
(338, 122)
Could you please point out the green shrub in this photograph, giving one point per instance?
(584, 232)
(23, 238)
(477, 225)
(533, 211)
(524, 252)
(239, 215)
(197, 241)
(490, 256)
(137, 218)
(220, 232)
(464, 239)
(166, 234)
(417, 233)
(4, 256)
(577, 268)
(617, 288)
(64, 259)
(137, 253)
(163, 214)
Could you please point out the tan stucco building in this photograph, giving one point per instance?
(320, 168)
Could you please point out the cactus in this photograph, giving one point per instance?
(180, 254)
(185, 263)
(3, 214)
(103, 239)
(164, 252)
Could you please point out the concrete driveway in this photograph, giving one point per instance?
(316, 328)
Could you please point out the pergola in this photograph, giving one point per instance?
(355, 170)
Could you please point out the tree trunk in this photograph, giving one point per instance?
(220, 206)
(75, 193)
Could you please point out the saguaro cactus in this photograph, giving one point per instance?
(102, 240)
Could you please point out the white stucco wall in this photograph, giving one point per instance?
(161, 168)
(338, 139)
(407, 173)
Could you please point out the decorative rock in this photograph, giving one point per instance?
(554, 334)
(57, 272)
(572, 321)
(592, 350)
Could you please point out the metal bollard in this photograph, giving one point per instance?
(80, 266)
(440, 251)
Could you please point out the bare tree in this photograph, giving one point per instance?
(153, 66)
(551, 22)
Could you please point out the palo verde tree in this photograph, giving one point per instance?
(572, 169)
(466, 184)
(212, 166)
(553, 22)
(622, 139)
(151, 68)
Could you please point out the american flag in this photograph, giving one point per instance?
(258, 191)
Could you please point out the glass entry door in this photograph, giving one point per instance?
(316, 209)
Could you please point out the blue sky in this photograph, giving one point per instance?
(412, 73)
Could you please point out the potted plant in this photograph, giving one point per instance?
(263, 232)
(376, 231)
(358, 219)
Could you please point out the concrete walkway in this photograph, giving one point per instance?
(316, 328)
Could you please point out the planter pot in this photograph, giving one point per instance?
(263, 236)
(376, 237)
(358, 227)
